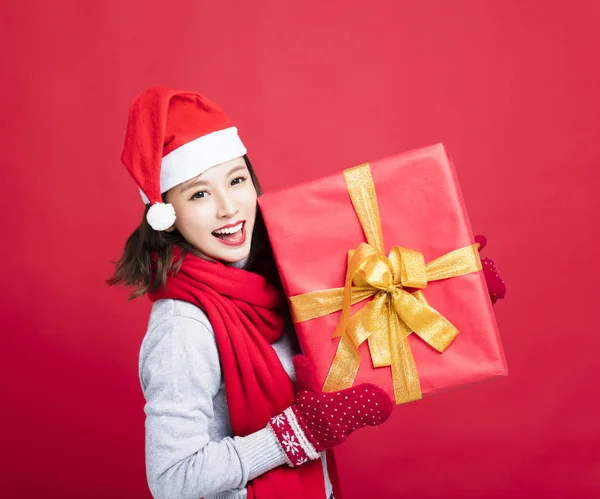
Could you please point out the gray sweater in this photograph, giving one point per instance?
(191, 452)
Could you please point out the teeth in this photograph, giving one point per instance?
(230, 230)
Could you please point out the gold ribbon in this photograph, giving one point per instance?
(393, 313)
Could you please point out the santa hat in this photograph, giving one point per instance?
(172, 137)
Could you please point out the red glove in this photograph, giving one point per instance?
(495, 283)
(319, 421)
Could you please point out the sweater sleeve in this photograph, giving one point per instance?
(180, 375)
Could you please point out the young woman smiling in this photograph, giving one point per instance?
(231, 410)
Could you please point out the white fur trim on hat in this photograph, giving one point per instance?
(197, 156)
(161, 216)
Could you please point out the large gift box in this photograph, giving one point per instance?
(383, 277)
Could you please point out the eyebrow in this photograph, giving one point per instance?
(204, 182)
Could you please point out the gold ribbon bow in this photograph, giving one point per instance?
(387, 320)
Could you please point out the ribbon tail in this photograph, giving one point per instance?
(344, 367)
(426, 322)
(379, 339)
(404, 369)
(347, 299)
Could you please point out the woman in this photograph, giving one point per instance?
(223, 416)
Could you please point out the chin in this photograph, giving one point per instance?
(232, 256)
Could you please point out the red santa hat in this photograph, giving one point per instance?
(172, 137)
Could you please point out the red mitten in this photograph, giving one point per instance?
(320, 421)
(495, 283)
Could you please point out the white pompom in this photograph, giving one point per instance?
(161, 216)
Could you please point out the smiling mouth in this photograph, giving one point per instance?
(232, 236)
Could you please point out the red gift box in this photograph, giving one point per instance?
(314, 229)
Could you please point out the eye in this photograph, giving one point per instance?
(238, 180)
(198, 195)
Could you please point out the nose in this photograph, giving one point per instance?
(227, 207)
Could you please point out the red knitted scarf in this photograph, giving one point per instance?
(245, 313)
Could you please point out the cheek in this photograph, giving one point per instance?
(250, 210)
(248, 199)
(192, 218)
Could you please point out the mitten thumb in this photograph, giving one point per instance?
(306, 374)
(482, 240)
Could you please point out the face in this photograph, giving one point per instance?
(216, 211)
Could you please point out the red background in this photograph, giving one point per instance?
(510, 87)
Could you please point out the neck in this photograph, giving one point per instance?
(238, 265)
